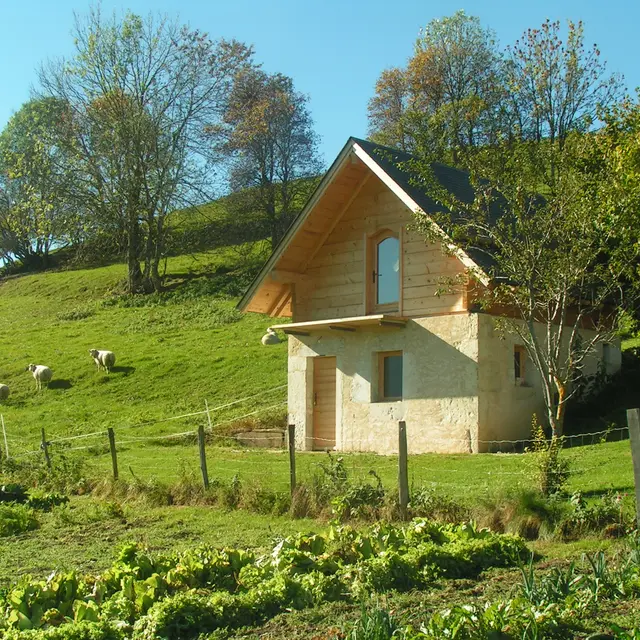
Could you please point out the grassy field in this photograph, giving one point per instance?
(172, 353)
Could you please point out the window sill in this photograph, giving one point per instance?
(387, 400)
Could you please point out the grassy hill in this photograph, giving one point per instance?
(174, 351)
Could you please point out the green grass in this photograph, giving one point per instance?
(596, 469)
(86, 535)
(170, 357)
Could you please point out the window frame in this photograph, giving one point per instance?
(372, 268)
(381, 357)
(520, 381)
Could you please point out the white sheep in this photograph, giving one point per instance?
(271, 337)
(4, 392)
(41, 374)
(104, 359)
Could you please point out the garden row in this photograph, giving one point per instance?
(203, 590)
(562, 604)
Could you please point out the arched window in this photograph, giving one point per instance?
(385, 277)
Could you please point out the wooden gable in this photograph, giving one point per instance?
(319, 271)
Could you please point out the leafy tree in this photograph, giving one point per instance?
(141, 93)
(268, 136)
(562, 266)
(36, 211)
(557, 86)
(450, 95)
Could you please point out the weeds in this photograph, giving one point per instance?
(552, 470)
(16, 518)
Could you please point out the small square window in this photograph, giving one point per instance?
(390, 375)
(519, 364)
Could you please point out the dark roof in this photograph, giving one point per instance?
(457, 182)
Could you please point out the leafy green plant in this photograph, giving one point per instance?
(16, 518)
(374, 624)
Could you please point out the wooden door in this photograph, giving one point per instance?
(324, 403)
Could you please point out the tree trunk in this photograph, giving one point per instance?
(560, 407)
(134, 281)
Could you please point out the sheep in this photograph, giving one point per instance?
(271, 337)
(104, 359)
(41, 374)
(4, 392)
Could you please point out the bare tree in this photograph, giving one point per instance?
(554, 86)
(141, 93)
(269, 138)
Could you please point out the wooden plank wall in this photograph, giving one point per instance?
(337, 271)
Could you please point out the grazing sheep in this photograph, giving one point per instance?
(4, 392)
(271, 337)
(104, 359)
(41, 374)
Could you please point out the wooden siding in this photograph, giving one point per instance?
(336, 273)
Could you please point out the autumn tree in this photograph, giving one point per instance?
(556, 86)
(268, 136)
(141, 94)
(36, 181)
(560, 267)
(448, 98)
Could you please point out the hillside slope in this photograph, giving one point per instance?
(173, 351)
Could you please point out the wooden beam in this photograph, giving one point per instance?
(327, 233)
(391, 323)
(633, 420)
(339, 328)
(291, 332)
(280, 303)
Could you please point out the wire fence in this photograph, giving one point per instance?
(205, 449)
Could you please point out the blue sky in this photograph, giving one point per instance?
(333, 49)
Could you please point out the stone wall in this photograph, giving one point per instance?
(440, 386)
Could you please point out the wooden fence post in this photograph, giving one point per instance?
(45, 448)
(203, 457)
(292, 457)
(4, 433)
(114, 455)
(403, 469)
(633, 420)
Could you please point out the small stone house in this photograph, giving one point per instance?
(373, 339)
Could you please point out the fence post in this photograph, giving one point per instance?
(45, 448)
(114, 455)
(292, 457)
(403, 470)
(4, 433)
(633, 420)
(203, 457)
(206, 405)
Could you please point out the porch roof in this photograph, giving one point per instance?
(342, 324)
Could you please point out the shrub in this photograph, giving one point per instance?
(428, 503)
(15, 519)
